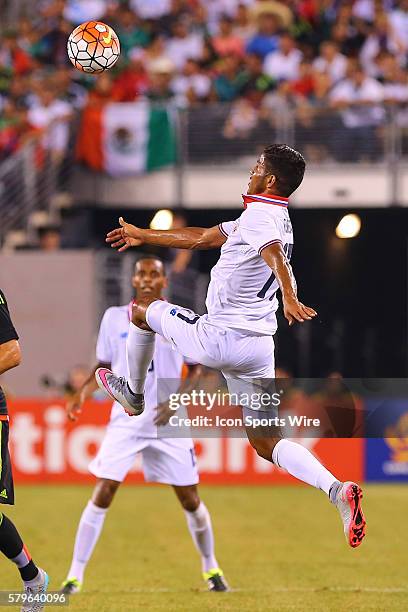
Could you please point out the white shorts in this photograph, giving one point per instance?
(237, 354)
(164, 460)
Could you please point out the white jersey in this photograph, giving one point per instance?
(166, 367)
(242, 291)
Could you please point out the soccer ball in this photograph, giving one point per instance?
(93, 47)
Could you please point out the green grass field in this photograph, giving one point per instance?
(281, 548)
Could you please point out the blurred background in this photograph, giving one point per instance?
(168, 137)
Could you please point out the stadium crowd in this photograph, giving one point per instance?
(329, 63)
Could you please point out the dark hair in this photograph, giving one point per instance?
(143, 256)
(287, 164)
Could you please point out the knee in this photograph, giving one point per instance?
(139, 312)
(190, 501)
(104, 493)
(264, 447)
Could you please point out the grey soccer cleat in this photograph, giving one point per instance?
(348, 503)
(36, 595)
(118, 389)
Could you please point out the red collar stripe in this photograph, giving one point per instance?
(266, 199)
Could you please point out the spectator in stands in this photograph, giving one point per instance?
(12, 56)
(18, 92)
(151, 9)
(228, 82)
(243, 24)
(226, 42)
(278, 10)
(283, 64)
(358, 99)
(383, 37)
(53, 45)
(50, 115)
(331, 61)
(131, 31)
(49, 238)
(29, 38)
(67, 89)
(103, 91)
(254, 82)
(160, 79)
(13, 126)
(303, 86)
(266, 39)
(155, 51)
(184, 44)
(192, 85)
(216, 9)
(395, 82)
(133, 81)
(399, 20)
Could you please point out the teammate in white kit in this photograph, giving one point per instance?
(166, 460)
(236, 336)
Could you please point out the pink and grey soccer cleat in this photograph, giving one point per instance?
(118, 389)
(348, 502)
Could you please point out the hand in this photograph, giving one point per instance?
(163, 414)
(296, 311)
(125, 236)
(73, 406)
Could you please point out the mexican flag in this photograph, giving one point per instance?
(126, 138)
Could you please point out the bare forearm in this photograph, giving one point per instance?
(284, 276)
(10, 356)
(276, 259)
(183, 238)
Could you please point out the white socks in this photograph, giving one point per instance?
(199, 524)
(139, 352)
(302, 464)
(89, 529)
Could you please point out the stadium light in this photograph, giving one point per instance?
(349, 226)
(162, 220)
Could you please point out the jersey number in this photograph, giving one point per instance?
(288, 248)
(187, 320)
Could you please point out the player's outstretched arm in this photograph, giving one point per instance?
(293, 309)
(202, 238)
(73, 407)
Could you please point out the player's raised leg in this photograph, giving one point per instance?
(200, 527)
(88, 533)
(139, 351)
(302, 464)
(35, 579)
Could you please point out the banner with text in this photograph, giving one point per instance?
(47, 448)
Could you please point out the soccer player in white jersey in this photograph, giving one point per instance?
(166, 460)
(236, 336)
